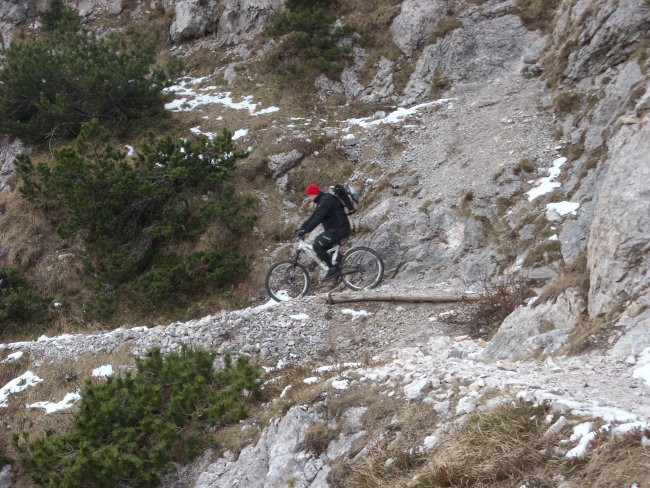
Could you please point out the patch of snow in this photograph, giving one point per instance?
(547, 184)
(239, 134)
(272, 303)
(15, 356)
(564, 208)
(51, 407)
(583, 434)
(197, 130)
(103, 371)
(17, 385)
(189, 99)
(332, 367)
(642, 371)
(340, 384)
(355, 314)
(300, 316)
(395, 116)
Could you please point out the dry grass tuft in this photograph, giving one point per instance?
(537, 14)
(59, 379)
(290, 382)
(504, 447)
(11, 370)
(594, 333)
(317, 439)
(30, 243)
(500, 445)
(613, 462)
(543, 253)
(25, 232)
(398, 432)
(576, 275)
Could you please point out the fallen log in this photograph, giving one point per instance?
(333, 298)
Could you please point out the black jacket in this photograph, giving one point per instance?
(329, 212)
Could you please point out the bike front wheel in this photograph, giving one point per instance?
(286, 280)
(362, 268)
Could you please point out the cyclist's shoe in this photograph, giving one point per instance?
(333, 272)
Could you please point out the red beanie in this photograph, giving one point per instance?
(312, 190)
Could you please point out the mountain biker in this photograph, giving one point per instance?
(331, 213)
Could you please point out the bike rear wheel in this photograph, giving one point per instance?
(286, 280)
(362, 268)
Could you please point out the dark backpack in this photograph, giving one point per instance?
(349, 197)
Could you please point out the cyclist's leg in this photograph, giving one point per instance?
(327, 240)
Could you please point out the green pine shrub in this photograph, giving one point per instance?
(53, 82)
(200, 271)
(310, 43)
(130, 429)
(132, 214)
(19, 302)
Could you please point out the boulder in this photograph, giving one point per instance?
(619, 240)
(280, 163)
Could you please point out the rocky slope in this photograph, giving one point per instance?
(455, 204)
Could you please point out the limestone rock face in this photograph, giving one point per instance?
(192, 19)
(613, 99)
(608, 34)
(542, 329)
(416, 21)
(9, 148)
(6, 476)
(478, 51)
(242, 19)
(619, 242)
(273, 461)
(89, 7)
(13, 12)
(381, 87)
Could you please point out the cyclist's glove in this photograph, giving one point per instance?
(299, 234)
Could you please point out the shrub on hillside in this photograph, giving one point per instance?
(312, 43)
(52, 83)
(212, 270)
(129, 429)
(499, 298)
(130, 213)
(19, 302)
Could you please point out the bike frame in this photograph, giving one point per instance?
(302, 246)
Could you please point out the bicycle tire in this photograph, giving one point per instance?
(362, 268)
(286, 280)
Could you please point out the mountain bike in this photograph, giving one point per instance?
(361, 268)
